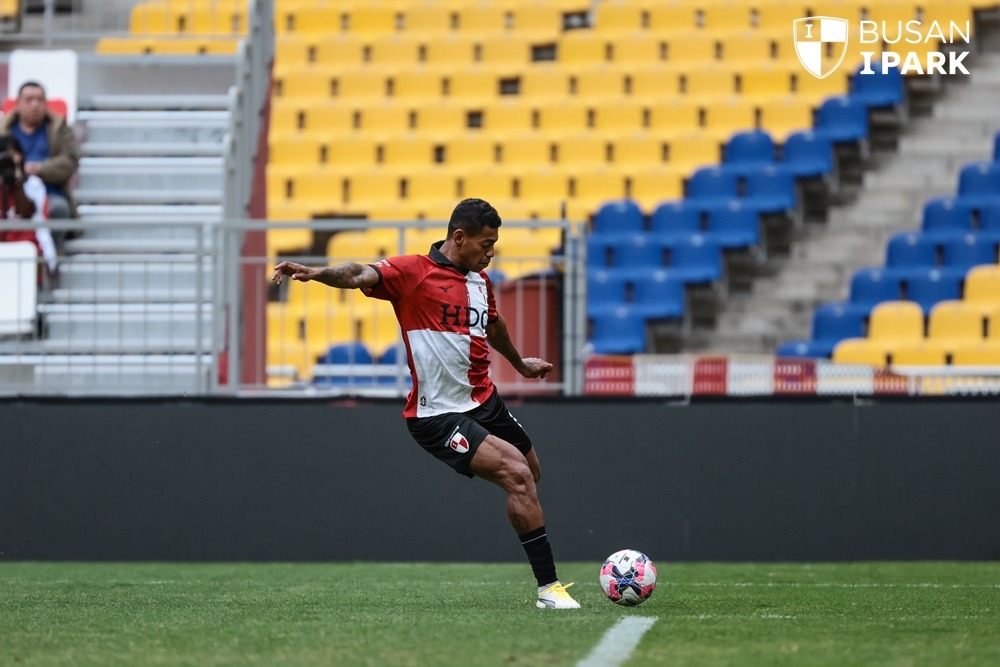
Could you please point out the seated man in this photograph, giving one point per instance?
(23, 199)
(50, 149)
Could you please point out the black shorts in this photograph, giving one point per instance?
(454, 437)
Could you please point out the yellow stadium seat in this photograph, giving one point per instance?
(336, 50)
(670, 17)
(419, 240)
(673, 115)
(562, 117)
(582, 48)
(785, 115)
(485, 184)
(955, 322)
(475, 19)
(328, 326)
(896, 321)
(407, 150)
(766, 81)
(427, 19)
(351, 150)
(581, 150)
(469, 150)
(617, 117)
(618, 16)
(748, 48)
(439, 117)
(414, 85)
(859, 351)
(723, 17)
(505, 51)
(394, 50)
(302, 84)
(294, 149)
(384, 117)
(470, 84)
(153, 18)
(526, 151)
(690, 47)
(111, 46)
(450, 49)
(640, 49)
(595, 186)
(993, 324)
(362, 246)
(977, 354)
(211, 21)
(640, 149)
(651, 186)
(779, 15)
(308, 19)
(597, 82)
(710, 82)
(428, 185)
(506, 117)
(545, 81)
(982, 287)
(729, 115)
(917, 354)
(543, 184)
(378, 327)
(816, 90)
(691, 149)
(284, 241)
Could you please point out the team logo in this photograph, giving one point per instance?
(820, 43)
(459, 443)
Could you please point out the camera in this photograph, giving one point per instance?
(8, 170)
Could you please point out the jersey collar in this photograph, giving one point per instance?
(439, 258)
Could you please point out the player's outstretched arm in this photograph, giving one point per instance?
(344, 276)
(499, 339)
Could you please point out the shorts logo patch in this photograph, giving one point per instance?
(459, 443)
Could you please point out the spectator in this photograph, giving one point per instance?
(50, 149)
(23, 199)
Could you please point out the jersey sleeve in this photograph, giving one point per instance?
(397, 276)
(491, 302)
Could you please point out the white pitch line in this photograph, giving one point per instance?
(618, 643)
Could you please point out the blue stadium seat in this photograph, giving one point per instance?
(599, 250)
(606, 290)
(618, 217)
(934, 285)
(979, 183)
(989, 218)
(945, 217)
(344, 354)
(712, 186)
(620, 331)
(832, 323)
(875, 285)
(638, 253)
(996, 147)
(842, 120)
(878, 90)
(735, 225)
(807, 155)
(964, 252)
(750, 149)
(696, 259)
(911, 249)
(659, 295)
(770, 189)
(676, 218)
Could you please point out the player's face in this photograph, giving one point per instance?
(475, 252)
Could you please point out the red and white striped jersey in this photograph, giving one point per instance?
(443, 313)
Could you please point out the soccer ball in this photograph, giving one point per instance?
(628, 577)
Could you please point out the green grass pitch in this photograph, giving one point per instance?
(377, 614)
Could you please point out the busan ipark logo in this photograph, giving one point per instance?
(821, 42)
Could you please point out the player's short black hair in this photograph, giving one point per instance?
(30, 84)
(471, 215)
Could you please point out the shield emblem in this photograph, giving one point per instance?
(820, 43)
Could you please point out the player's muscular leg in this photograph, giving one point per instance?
(532, 459)
(500, 462)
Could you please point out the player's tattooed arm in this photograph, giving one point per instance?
(346, 276)
(499, 339)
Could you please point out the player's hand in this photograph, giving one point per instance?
(296, 271)
(536, 368)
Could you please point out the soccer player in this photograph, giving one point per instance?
(444, 304)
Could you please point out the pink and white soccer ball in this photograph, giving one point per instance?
(628, 577)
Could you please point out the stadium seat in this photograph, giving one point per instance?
(964, 252)
(771, 190)
(606, 290)
(673, 219)
(910, 250)
(638, 253)
(880, 89)
(918, 353)
(934, 285)
(989, 218)
(859, 351)
(749, 149)
(712, 186)
(979, 183)
(872, 286)
(785, 116)
(618, 217)
(807, 155)
(842, 120)
(832, 323)
(659, 296)
(620, 331)
(979, 354)
(896, 321)
(696, 259)
(982, 287)
(599, 251)
(944, 217)
(955, 322)
(346, 355)
(734, 226)
(996, 147)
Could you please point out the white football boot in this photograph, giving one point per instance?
(554, 596)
